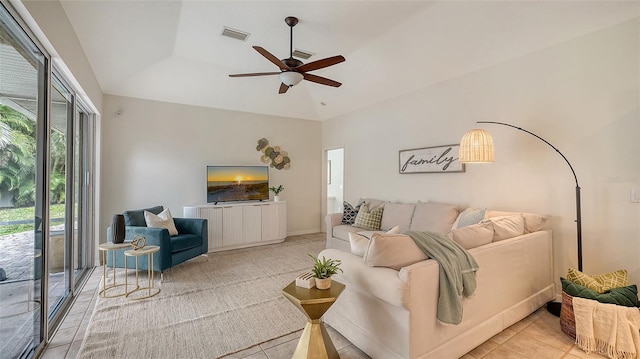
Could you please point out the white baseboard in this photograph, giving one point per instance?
(306, 231)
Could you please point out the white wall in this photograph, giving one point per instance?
(61, 42)
(582, 96)
(156, 153)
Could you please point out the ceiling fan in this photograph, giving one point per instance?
(292, 71)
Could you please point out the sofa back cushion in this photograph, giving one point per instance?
(136, 217)
(397, 214)
(434, 217)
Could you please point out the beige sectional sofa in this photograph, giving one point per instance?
(390, 313)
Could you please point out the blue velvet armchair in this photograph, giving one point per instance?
(191, 241)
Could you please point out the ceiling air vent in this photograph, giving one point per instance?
(301, 54)
(235, 34)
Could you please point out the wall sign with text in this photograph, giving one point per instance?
(431, 160)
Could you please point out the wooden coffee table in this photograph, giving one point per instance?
(315, 341)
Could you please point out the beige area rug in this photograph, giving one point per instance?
(208, 307)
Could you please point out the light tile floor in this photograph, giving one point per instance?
(536, 336)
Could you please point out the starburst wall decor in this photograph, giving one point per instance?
(274, 156)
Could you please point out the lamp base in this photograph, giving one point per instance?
(554, 308)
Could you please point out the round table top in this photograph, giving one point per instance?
(141, 251)
(110, 245)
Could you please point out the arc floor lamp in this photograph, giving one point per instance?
(476, 146)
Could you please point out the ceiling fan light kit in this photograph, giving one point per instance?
(292, 70)
(291, 78)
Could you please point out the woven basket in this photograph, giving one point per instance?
(567, 318)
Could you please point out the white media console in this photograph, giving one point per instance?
(242, 224)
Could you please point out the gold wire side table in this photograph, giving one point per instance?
(137, 253)
(315, 341)
(104, 248)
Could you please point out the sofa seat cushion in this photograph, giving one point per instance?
(183, 242)
(342, 231)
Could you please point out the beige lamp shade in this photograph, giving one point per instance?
(476, 146)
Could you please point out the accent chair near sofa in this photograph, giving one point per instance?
(191, 241)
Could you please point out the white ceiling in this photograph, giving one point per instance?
(172, 50)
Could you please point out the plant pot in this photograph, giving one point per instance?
(324, 283)
(276, 198)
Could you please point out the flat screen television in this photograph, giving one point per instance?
(237, 183)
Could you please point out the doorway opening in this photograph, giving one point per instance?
(335, 180)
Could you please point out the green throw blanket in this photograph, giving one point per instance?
(457, 272)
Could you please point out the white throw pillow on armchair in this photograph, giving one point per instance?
(161, 220)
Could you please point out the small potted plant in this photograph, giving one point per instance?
(323, 270)
(276, 191)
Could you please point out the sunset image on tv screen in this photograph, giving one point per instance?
(237, 183)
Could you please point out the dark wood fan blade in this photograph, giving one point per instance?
(271, 58)
(319, 64)
(321, 80)
(283, 88)
(255, 74)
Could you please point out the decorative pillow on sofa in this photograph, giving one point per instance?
(625, 296)
(600, 283)
(349, 214)
(472, 236)
(397, 214)
(369, 219)
(506, 227)
(469, 216)
(161, 220)
(360, 242)
(393, 251)
(434, 217)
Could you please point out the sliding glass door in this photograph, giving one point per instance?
(61, 226)
(23, 85)
(46, 140)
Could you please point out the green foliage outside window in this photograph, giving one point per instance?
(18, 160)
